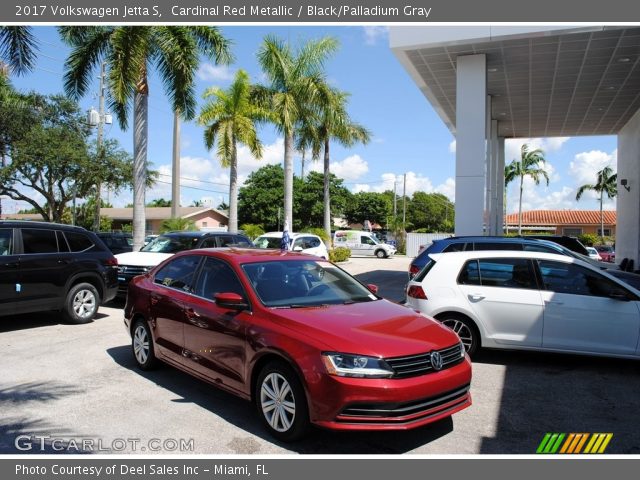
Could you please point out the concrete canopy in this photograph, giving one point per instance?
(543, 81)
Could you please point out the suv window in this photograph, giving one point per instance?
(499, 272)
(217, 277)
(540, 248)
(39, 241)
(78, 242)
(6, 241)
(455, 247)
(497, 246)
(178, 273)
(226, 240)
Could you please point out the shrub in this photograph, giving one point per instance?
(339, 254)
(316, 231)
(589, 239)
(251, 230)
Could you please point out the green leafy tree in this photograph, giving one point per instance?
(251, 230)
(159, 202)
(371, 206)
(260, 197)
(294, 78)
(430, 211)
(309, 205)
(177, 224)
(334, 124)
(230, 117)
(529, 165)
(129, 53)
(606, 184)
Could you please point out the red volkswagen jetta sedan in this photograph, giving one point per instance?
(300, 337)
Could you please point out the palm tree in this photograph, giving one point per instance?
(529, 165)
(18, 49)
(174, 224)
(129, 52)
(334, 124)
(607, 182)
(307, 140)
(230, 116)
(294, 78)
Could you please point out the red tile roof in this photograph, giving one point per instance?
(562, 217)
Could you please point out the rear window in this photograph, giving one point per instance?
(455, 247)
(423, 273)
(78, 242)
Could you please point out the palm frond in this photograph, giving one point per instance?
(213, 44)
(18, 47)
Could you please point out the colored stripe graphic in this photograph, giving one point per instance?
(574, 443)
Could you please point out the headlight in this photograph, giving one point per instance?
(462, 350)
(346, 365)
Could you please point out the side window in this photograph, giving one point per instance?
(63, 246)
(540, 248)
(497, 246)
(78, 242)
(367, 240)
(313, 242)
(6, 241)
(470, 274)
(225, 240)
(241, 241)
(454, 247)
(217, 277)
(209, 243)
(506, 273)
(39, 241)
(576, 280)
(178, 273)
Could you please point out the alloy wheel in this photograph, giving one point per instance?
(277, 402)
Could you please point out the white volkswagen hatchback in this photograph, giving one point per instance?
(528, 300)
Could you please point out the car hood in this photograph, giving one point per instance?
(142, 259)
(379, 328)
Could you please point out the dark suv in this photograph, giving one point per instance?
(163, 246)
(48, 266)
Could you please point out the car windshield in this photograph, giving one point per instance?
(304, 284)
(267, 242)
(170, 244)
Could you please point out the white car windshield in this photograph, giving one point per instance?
(170, 244)
(267, 242)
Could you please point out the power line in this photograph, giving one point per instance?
(194, 180)
(194, 188)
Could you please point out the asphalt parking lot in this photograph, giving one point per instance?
(63, 384)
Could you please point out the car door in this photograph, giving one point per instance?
(41, 271)
(580, 313)
(504, 296)
(173, 287)
(9, 286)
(366, 246)
(215, 336)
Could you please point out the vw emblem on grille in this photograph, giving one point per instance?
(436, 360)
(122, 269)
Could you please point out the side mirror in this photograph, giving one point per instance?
(297, 249)
(230, 300)
(372, 288)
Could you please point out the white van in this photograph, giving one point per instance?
(362, 243)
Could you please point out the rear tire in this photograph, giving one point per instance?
(81, 304)
(464, 328)
(281, 402)
(142, 346)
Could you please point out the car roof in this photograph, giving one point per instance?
(508, 254)
(196, 234)
(37, 224)
(291, 234)
(249, 255)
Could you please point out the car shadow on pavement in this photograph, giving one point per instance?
(391, 283)
(243, 415)
(554, 393)
(26, 321)
(29, 434)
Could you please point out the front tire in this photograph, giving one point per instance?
(466, 330)
(281, 402)
(142, 346)
(81, 304)
(381, 254)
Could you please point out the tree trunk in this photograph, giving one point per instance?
(520, 207)
(327, 193)
(233, 189)
(288, 179)
(140, 140)
(601, 218)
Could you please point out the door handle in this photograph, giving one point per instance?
(191, 313)
(553, 302)
(475, 296)
(11, 265)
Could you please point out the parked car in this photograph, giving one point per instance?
(529, 300)
(299, 337)
(572, 243)
(468, 243)
(117, 242)
(593, 254)
(300, 242)
(362, 243)
(165, 245)
(607, 253)
(49, 266)
(148, 238)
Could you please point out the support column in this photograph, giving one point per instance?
(500, 213)
(628, 201)
(471, 111)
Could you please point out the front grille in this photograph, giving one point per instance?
(394, 410)
(132, 270)
(420, 364)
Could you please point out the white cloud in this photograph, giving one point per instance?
(374, 33)
(350, 169)
(549, 144)
(215, 73)
(452, 146)
(448, 188)
(584, 169)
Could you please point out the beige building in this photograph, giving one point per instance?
(564, 222)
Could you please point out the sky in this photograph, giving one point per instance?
(408, 137)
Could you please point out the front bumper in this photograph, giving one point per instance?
(342, 403)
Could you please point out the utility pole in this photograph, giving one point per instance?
(404, 202)
(96, 220)
(175, 170)
(395, 199)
